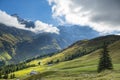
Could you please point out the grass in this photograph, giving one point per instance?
(77, 69)
(78, 73)
(26, 72)
(82, 68)
(64, 72)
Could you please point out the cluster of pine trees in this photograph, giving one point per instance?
(9, 69)
(40, 56)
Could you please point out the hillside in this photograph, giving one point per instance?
(18, 45)
(9, 37)
(82, 68)
(81, 48)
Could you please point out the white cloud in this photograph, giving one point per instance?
(101, 15)
(40, 27)
(10, 20)
(43, 27)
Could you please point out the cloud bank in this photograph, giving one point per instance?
(40, 27)
(101, 15)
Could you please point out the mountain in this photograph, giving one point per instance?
(9, 37)
(18, 45)
(48, 43)
(81, 48)
(70, 34)
(81, 67)
(23, 21)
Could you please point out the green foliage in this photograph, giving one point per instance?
(50, 62)
(5, 76)
(12, 76)
(2, 62)
(39, 63)
(57, 61)
(105, 60)
(5, 70)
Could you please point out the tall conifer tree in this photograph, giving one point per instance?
(105, 60)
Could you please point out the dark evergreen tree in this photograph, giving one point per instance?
(5, 76)
(13, 75)
(39, 63)
(0, 75)
(57, 61)
(105, 60)
(51, 62)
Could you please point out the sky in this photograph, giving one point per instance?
(28, 9)
(102, 16)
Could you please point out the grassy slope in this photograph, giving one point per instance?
(87, 45)
(83, 68)
(9, 37)
(9, 40)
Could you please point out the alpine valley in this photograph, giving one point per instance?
(59, 39)
(70, 55)
(18, 45)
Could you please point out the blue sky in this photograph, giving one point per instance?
(96, 14)
(28, 9)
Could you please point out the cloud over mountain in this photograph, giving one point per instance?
(10, 20)
(40, 26)
(43, 27)
(101, 15)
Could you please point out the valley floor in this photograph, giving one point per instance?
(69, 70)
(82, 68)
(78, 73)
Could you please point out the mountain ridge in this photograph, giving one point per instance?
(21, 44)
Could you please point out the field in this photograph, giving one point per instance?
(82, 68)
(74, 70)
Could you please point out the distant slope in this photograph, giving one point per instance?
(81, 48)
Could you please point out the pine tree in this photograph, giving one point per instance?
(11, 76)
(5, 76)
(105, 60)
(39, 63)
(57, 61)
(0, 75)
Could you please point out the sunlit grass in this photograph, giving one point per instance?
(26, 72)
(82, 68)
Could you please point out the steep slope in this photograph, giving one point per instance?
(81, 48)
(18, 45)
(43, 44)
(9, 37)
(70, 34)
(83, 68)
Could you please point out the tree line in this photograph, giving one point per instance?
(7, 71)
